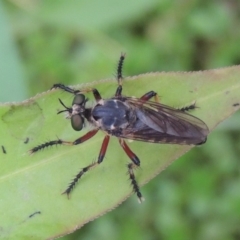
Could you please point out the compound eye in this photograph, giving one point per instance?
(77, 122)
(78, 99)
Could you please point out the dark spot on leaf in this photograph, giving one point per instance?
(33, 214)
(4, 150)
(26, 140)
(236, 104)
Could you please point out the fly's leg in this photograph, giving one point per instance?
(119, 75)
(89, 167)
(119, 68)
(188, 108)
(147, 96)
(95, 92)
(119, 91)
(131, 166)
(65, 88)
(80, 140)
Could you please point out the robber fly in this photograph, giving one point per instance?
(128, 118)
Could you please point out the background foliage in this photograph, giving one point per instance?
(45, 42)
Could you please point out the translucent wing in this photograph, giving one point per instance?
(160, 123)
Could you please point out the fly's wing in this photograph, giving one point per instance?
(160, 123)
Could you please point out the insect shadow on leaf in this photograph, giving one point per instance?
(128, 118)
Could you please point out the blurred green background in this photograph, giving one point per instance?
(46, 42)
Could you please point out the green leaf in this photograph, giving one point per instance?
(32, 206)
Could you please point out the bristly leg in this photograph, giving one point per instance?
(188, 108)
(119, 68)
(80, 140)
(65, 88)
(77, 178)
(135, 163)
(45, 145)
(134, 183)
(119, 75)
(86, 169)
(95, 92)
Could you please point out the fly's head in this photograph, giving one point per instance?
(76, 112)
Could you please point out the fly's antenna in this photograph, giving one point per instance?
(119, 68)
(67, 109)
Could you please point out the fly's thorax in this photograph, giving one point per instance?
(111, 114)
